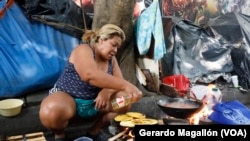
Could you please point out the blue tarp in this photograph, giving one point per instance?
(32, 54)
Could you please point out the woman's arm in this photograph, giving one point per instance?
(117, 73)
(83, 59)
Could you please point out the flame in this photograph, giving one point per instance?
(200, 115)
(208, 102)
(131, 134)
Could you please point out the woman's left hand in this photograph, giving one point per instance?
(102, 99)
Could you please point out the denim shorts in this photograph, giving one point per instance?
(85, 108)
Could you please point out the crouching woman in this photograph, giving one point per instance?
(91, 79)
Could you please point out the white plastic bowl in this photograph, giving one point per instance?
(83, 139)
(10, 107)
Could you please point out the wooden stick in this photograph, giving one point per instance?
(15, 137)
(38, 136)
(118, 135)
(37, 139)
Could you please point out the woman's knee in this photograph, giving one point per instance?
(56, 109)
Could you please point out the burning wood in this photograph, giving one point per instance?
(125, 135)
(117, 136)
(131, 134)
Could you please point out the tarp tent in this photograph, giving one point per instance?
(232, 29)
(32, 54)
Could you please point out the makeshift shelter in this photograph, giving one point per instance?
(204, 53)
(42, 33)
(57, 45)
(33, 54)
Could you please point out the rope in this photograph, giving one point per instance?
(83, 16)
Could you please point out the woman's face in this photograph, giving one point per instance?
(108, 48)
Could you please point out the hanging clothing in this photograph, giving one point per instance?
(149, 24)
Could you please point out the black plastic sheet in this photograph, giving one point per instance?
(203, 53)
(64, 15)
(241, 62)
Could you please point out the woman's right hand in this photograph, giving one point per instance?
(133, 92)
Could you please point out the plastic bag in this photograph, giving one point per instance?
(230, 112)
(180, 82)
(210, 95)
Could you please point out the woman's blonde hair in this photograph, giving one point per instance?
(105, 32)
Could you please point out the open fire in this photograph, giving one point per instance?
(209, 95)
(200, 117)
(125, 135)
(122, 126)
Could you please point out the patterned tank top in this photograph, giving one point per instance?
(71, 83)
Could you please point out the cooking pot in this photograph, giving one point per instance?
(179, 107)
